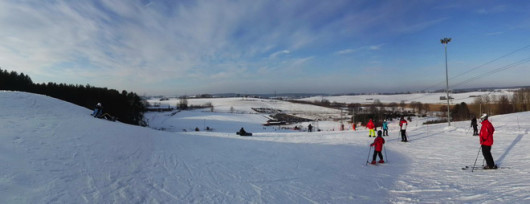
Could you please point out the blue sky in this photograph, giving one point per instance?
(260, 46)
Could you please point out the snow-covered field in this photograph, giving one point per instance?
(54, 152)
(432, 98)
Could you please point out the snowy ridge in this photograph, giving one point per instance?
(432, 98)
(55, 152)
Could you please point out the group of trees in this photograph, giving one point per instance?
(490, 104)
(126, 106)
(494, 105)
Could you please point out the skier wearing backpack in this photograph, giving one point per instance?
(370, 125)
(403, 127)
(385, 128)
(486, 141)
(378, 147)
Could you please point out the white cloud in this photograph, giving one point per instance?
(346, 51)
(276, 54)
(360, 49)
(117, 43)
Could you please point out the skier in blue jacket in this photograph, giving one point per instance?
(385, 128)
(98, 111)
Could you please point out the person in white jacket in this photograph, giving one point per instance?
(403, 127)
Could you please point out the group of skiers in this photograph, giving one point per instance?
(402, 127)
(379, 141)
(485, 137)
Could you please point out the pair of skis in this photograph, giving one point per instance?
(481, 168)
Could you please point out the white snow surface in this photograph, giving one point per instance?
(432, 98)
(54, 152)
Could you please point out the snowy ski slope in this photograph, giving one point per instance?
(54, 152)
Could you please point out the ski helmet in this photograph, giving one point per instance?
(484, 116)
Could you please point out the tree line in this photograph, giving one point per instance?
(490, 104)
(496, 105)
(126, 106)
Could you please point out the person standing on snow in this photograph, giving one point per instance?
(474, 125)
(385, 128)
(403, 127)
(370, 125)
(486, 141)
(378, 147)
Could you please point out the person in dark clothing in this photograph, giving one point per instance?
(474, 125)
(310, 128)
(378, 147)
(242, 132)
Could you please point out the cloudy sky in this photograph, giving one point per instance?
(176, 47)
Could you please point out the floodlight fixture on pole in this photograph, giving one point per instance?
(445, 41)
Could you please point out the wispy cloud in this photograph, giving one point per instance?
(360, 49)
(419, 26)
(276, 54)
(345, 51)
(163, 43)
(492, 10)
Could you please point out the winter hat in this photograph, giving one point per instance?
(379, 133)
(484, 116)
(99, 104)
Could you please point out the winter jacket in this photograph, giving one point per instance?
(385, 125)
(403, 124)
(378, 143)
(370, 125)
(486, 133)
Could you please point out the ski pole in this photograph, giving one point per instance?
(386, 157)
(468, 130)
(367, 158)
(480, 148)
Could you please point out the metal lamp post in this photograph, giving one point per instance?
(444, 42)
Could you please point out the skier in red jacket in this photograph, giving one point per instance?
(486, 141)
(403, 127)
(370, 125)
(378, 147)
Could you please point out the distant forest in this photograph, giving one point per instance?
(126, 106)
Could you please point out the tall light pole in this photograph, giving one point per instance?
(444, 42)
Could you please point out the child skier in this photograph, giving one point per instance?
(378, 147)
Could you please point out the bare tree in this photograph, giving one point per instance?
(183, 103)
(393, 106)
(402, 105)
(503, 105)
(521, 100)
